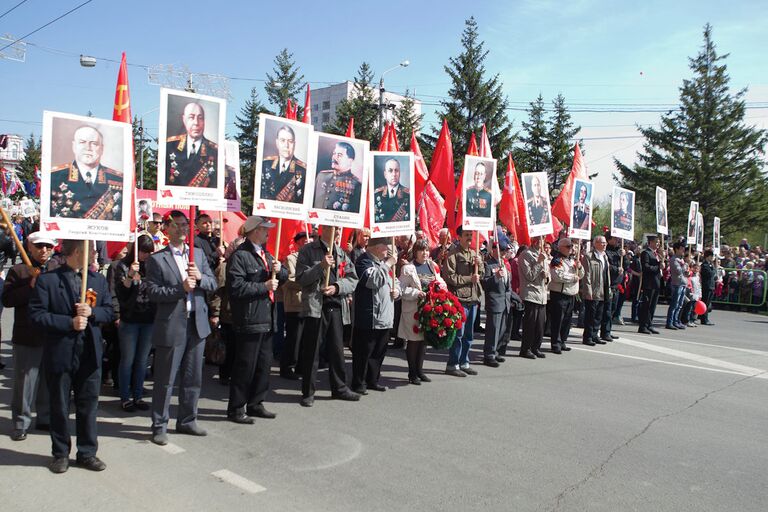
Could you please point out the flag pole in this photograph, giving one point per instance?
(394, 253)
(330, 251)
(191, 240)
(277, 244)
(86, 264)
(221, 229)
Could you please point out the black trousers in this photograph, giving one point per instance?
(647, 308)
(534, 318)
(560, 321)
(84, 380)
(328, 328)
(369, 346)
(249, 382)
(230, 338)
(517, 321)
(593, 314)
(609, 310)
(290, 353)
(706, 297)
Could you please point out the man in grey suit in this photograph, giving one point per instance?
(178, 287)
(497, 284)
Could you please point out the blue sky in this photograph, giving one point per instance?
(596, 53)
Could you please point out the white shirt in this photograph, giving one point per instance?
(194, 144)
(84, 169)
(181, 257)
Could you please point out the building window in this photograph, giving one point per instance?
(314, 106)
(326, 105)
(326, 117)
(314, 119)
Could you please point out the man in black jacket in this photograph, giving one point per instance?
(651, 269)
(252, 278)
(708, 280)
(497, 284)
(617, 262)
(206, 241)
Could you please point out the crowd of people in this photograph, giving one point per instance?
(163, 305)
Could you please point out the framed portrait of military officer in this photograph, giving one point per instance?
(662, 222)
(623, 213)
(86, 177)
(282, 186)
(341, 180)
(28, 208)
(231, 202)
(537, 207)
(693, 215)
(477, 193)
(716, 236)
(699, 232)
(390, 194)
(190, 159)
(581, 210)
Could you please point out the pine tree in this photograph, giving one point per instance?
(284, 83)
(560, 138)
(705, 152)
(247, 124)
(149, 157)
(474, 100)
(362, 105)
(533, 156)
(31, 160)
(407, 121)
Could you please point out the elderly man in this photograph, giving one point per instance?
(595, 290)
(538, 209)
(283, 175)
(678, 279)
(190, 158)
(392, 202)
(565, 273)
(497, 285)
(374, 304)
(534, 279)
(252, 278)
(85, 189)
(338, 188)
(153, 230)
(651, 270)
(72, 351)
(479, 198)
(440, 253)
(29, 386)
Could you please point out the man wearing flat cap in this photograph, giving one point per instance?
(253, 276)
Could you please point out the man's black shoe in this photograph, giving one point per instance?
(241, 418)
(307, 401)
(290, 375)
(606, 338)
(491, 362)
(539, 354)
(347, 396)
(415, 381)
(613, 337)
(377, 387)
(160, 438)
(18, 435)
(91, 464)
(261, 412)
(59, 465)
(455, 372)
(469, 370)
(527, 355)
(671, 327)
(424, 378)
(360, 391)
(589, 342)
(500, 359)
(566, 348)
(643, 330)
(708, 323)
(556, 350)
(192, 430)
(653, 331)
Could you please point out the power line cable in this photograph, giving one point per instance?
(46, 25)
(12, 8)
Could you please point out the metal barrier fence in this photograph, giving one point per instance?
(741, 287)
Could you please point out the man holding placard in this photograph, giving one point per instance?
(283, 175)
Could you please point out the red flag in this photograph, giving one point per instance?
(431, 212)
(392, 141)
(384, 142)
(122, 113)
(3, 170)
(422, 174)
(556, 228)
(307, 107)
(562, 206)
(350, 128)
(512, 206)
(441, 172)
(472, 149)
(289, 229)
(288, 109)
(37, 181)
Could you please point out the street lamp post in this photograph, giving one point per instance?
(403, 64)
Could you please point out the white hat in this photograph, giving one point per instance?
(41, 237)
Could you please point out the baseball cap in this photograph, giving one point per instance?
(41, 237)
(254, 221)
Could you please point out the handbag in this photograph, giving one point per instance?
(215, 348)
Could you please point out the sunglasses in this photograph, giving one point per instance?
(43, 246)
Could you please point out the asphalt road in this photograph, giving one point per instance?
(673, 422)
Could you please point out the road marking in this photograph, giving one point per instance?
(747, 350)
(711, 361)
(173, 449)
(110, 419)
(226, 475)
(651, 360)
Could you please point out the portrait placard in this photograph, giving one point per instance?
(581, 210)
(190, 156)
(693, 215)
(716, 236)
(537, 207)
(232, 198)
(341, 180)
(143, 210)
(28, 208)
(477, 193)
(700, 232)
(662, 222)
(284, 181)
(623, 213)
(390, 193)
(86, 177)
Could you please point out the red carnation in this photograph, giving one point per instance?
(433, 323)
(415, 316)
(441, 333)
(459, 324)
(447, 322)
(439, 309)
(415, 330)
(427, 308)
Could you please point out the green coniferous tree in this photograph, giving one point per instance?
(149, 146)
(362, 105)
(284, 83)
(704, 151)
(533, 155)
(560, 138)
(247, 124)
(407, 121)
(474, 99)
(31, 160)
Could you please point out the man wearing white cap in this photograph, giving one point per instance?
(29, 387)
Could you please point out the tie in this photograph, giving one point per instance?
(284, 167)
(194, 148)
(88, 176)
(266, 266)
(392, 193)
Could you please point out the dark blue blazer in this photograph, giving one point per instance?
(52, 307)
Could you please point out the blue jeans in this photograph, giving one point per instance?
(458, 355)
(675, 303)
(135, 343)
